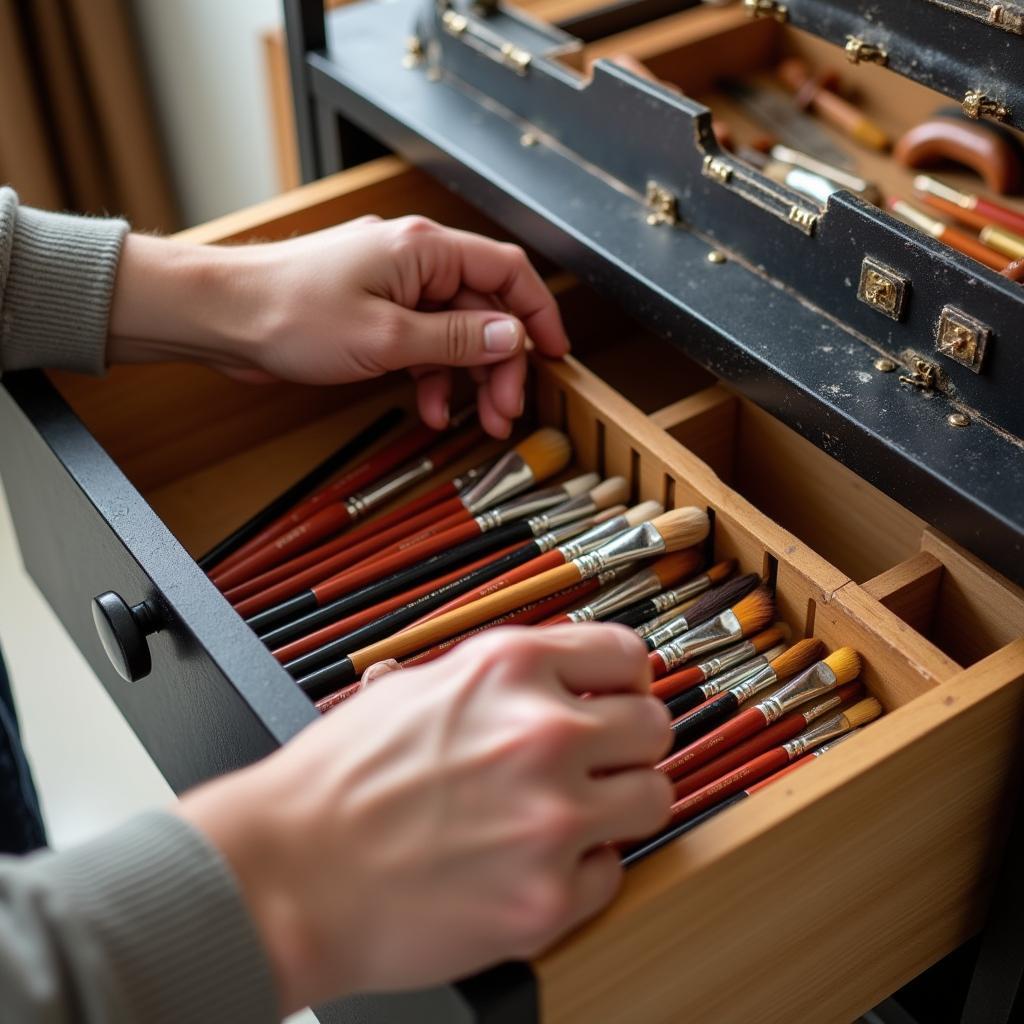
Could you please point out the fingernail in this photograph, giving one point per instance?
(501, 336)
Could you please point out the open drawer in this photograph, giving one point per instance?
(810, 902)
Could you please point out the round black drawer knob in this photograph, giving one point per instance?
(123, 631)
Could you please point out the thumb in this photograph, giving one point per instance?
(461, 337)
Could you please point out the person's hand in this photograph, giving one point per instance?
(345, 304)
(448, 816)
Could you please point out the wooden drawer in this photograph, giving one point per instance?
(810, 902)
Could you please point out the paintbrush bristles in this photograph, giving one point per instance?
(755, 611)
(612, 491)
(779, 633)
(862, 712)
(801, 655)
(714, 602)
(581, 484)
(721, 571)
(644, 512)
(677, 566)
(845, 663)
(682, 527)
(546, 452)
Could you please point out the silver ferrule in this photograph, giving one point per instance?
(508, 476)
(821, 707)
(569, 512)
(832, 744)
(818, 679)
(718, 632)
(738, 654)
(645, 629)
(640, 542)
(826, 729)
(597, 535)
(760, 680)
(519, 508)
(470, 476)
(677, 595)
(359, 504)
(546, 541)
(740, 674)
(675, 627)
(635, 588)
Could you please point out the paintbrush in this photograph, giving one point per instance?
(711, 604)
(327, 559)
(251, 529)
(785, 729)
(649, 846)
(688, 700)
(748, 616)
(650, 580)
(828, 728)
(683, 682)
(669, 532)
(702, 719)
(551, 558)
(838, 669)
(650, 606)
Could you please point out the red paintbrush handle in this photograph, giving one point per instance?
(549, 560)
(454, 518)
(716, 742)
(334, 699)
(1000, 214)
(676, 682)
(423, 526)
(775, 735)
(528, 615)
(322, 636)
(345, 582)
(406, 514)
(556, 620)
(658, 666)
(734, 782)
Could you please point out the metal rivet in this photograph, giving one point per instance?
(715, 256)
(884, 365)
(958, 419)
(527, 139)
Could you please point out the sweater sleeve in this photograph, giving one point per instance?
(144, 925)
(56, 282)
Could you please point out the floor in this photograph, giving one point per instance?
(47, 671)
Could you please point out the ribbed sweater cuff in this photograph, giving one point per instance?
(56, 303)
(167, 923)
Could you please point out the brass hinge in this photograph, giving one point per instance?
(924, 375)
(857, 50)
(662, 206)
(717, 168)
(487, 42)
(766, 9)
(976, 104)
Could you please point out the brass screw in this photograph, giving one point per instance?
(527, 139)
(884, 365)
(958, 419)
(715, 256)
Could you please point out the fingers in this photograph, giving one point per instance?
(633, 731)
(433, 396)
(629, 805)
(378, 669)
(595, 658)
(593, 886)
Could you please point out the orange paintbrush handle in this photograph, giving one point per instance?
(675, 683)
(970, 246)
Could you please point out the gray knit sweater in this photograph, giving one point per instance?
(145, 924)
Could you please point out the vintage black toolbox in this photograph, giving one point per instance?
(819, 897)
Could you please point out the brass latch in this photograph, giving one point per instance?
(766, 9)
(976, 104)
(857, 50)
(662, 206)
(924, 376)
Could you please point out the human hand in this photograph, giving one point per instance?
(348, 303)
(449, 816)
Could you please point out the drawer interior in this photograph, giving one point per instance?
(939, 633)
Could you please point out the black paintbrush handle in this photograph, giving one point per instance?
(646, 848)
(686, 701)
(635, 614)
(395, 620)
(324, 681)
(302, 487)
(703, 720)
(404, 579)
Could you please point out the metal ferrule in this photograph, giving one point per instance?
(523, 506)
(760, 680)
(359, 504)
(645, 629)
(474, 473)
(640, 542)
(832, 744)
(734, 677)
(818, 679)
(821, 707)
(569, 512)
(546, 541)
(636, 588)
(675, 627)
(827, 729)
(715, 633)
(508, 476)
(739, 654)
(670, 598)
(594, 538)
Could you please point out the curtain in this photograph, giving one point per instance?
(77, 129)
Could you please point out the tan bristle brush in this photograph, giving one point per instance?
(651, 580)
(723, 668)
(748, 616)
(537, 457)
(838, 669)
(671, 600)
(681, 528)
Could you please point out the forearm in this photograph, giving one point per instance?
(144, 924)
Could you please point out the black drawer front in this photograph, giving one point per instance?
(215, 698)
